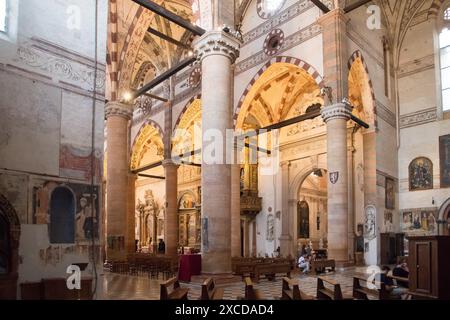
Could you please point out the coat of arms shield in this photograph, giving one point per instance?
(334, 177)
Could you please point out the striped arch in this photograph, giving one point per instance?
(281, 59)
(138, 143)
(358, 55)
(183, 112)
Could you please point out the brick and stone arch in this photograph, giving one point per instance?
(276, 115)
(150, 135)
(359, 81)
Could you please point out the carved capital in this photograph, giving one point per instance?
(337, 111)
(168, 163)
(116, 108)
(217, 43)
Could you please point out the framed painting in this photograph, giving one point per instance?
(390, 194)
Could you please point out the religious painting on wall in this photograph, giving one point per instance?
(388, 222)
(444, 153)
(421, 174)
(187, 201)
(303, 220)
(421, 222)
(390, 194)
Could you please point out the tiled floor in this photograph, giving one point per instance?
(124, 287)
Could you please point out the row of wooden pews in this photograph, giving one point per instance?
(257, 267)
(327, 289)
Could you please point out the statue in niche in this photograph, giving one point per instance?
(86, 219)
(270, 227)
(421, 174)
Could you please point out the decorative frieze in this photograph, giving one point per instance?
(291, 41)
(418, 118)
(416, 66)
(280, 19)
(387, 115)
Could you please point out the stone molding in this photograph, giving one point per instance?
(418, 118)
(167, 163)
(115, 108)
(336, 111)
(217, 43)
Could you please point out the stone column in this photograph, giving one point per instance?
(117, 168)
(171, 218)
(254, 253)
(236, 210)
(334, 35)
(336, 117)
(131, 221)
(217, 51)
(285, 238)
(246, 236)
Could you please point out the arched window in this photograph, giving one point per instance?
(303, 220)
(5, 250)
(3, 15)
(444, 48)
(62, 216)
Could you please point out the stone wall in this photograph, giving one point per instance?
(47, 71)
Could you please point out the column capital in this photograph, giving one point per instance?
(285, 165)
(167, 163)
(337, 111)
(119, 109)
(217, 43)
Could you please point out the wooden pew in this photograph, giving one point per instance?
(271, 269)
(324, 293)
(210, 292)
(177, 293)
(291, 291)
(318, 265)
(363, 292)
(250, 292)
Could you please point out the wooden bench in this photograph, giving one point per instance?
(324, 293)
(271, 269)
(320, 266)
(291, 291)
(363, 292)
(250, 292)
(210, 292)
(177, 293)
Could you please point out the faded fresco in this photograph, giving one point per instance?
(420, 221)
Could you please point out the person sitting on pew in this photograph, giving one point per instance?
(303, 263)
(396, 292)
(401, 270)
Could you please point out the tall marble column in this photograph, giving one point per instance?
(285, 238)
(254, 248)
(336, 117)
(217, 51)
(117, 117)
(236, 210)
(171, 217)
(131, 220)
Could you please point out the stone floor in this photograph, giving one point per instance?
(125, 287)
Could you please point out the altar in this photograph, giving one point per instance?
(190, 265)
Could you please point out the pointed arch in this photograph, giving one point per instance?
(359, 76)
(149, 131)
(310, 70)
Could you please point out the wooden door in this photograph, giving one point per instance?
(423, 267)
